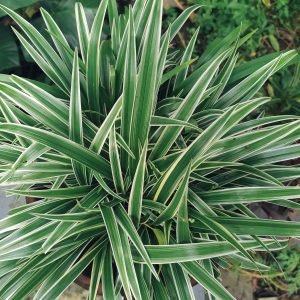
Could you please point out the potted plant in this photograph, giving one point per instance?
(144, 160)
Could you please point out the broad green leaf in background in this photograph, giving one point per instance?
(15, 4)
(9, 56)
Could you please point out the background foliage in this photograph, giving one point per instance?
(283, 278)
(277, 26)
(13, 58)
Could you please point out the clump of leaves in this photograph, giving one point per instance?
(143, 166)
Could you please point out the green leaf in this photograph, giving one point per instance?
(115, 162)
(260, 141)
(75, 119)
(105, 186)
(274, 42)
(183, 282)
(37, 173)
(33, 265)
(179, 22)
(146, 80)
(218, 45)
(249, 67)
(55, 272)
(112, 12)
(167, 76)
(129, 85)
(34, 151)
(137, 189)
(168, 276)
(53, 104)
(23, 238)
(82, 29)
(108, 279)
(224, 76)
(159, 290)
(137, 10)
(99, 265)
(247, 226)
(181, 76)
(252, 124)
(272, 156)
(89, 201)
(106, 126)
(183, 234)
(249, 194)
(35, 279)
(141, 19)
(162, 59)
(131, 273)
(124, 145)
(67, 217)
(225, 234)
(42, 63)
(58, 38)
(93, 61)
(116, 246)
(63, 193)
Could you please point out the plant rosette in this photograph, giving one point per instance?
(145, 159)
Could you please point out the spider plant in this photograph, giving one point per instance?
(143, 161)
